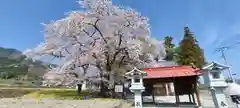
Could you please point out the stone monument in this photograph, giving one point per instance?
(137, 87)
(215, 81)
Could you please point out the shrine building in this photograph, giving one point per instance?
(172, 81)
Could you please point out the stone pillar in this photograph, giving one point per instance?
(219, 98)
(138, 99)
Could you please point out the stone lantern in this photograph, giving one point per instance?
(215, 81)
(137, 87)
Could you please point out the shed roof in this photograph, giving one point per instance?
(171, 72)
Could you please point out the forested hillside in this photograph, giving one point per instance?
(14, 65)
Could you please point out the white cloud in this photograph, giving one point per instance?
(216, 36)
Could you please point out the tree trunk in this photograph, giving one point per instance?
(103, 90)
(79, 89)
(112, 81)
(107, 90)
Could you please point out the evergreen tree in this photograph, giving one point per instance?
(169, 48)
(189, 52)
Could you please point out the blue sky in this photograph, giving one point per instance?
(214, 22)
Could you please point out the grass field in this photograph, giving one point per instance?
(55, 93)
(16, 83)
(16, 88)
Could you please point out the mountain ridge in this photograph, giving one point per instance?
(15, 65)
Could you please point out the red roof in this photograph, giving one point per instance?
(171, 72)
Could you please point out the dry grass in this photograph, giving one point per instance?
(14, 92)
(69, 94)
(55, 93)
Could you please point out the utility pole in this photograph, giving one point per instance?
(221, 50)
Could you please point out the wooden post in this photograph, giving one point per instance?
(153, 96)
(176, 94)
(194, 100)
(175, 91)
(178, 98)
(167, 90)
(123, 92)
(190, 99)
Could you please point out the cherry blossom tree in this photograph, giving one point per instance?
(102, 38)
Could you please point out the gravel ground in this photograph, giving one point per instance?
(50, 103)
(206, 100)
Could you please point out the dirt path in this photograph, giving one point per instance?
(49, 103)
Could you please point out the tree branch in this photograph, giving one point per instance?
(86, 32)
(93, 33)
(85, 67)
(75, 38)
(119, 65)
(108, 64)
(128, 23)
(94, 42)
(115, 55)
(96, 27)
(98, 65)
(67, 51)
(89, 33)
(120, 40)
